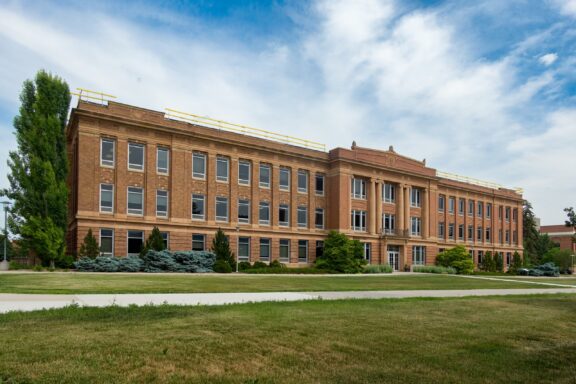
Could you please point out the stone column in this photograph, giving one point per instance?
(379, 191)
(425, 210)
(372, 207)
(407, 208)
(400, 209)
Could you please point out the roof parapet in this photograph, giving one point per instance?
(470, 180)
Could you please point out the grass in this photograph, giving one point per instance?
(521, 339)
(77, 283)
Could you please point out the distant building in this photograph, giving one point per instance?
(561, 234)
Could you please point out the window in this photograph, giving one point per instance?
(222, 167)
(264, 215)
(161, 203)
(264, 176)
(507, 214)
(479, 212)
(221, 209)
(480, 257)
(198, 207)
(320, 184)
(358, 188)
(460, 231)
(479, 233)
(302, 181)
(500, 212)
(389, 223)
(198, 242)
(284, 179)
(415, 224)
(302, 251)
(515, 237)
(135, 156)
(165, 239)
(389, 193)
(488, 234)
(470, 207)
(451, 231)
(500, 236)
(107, 242)
(243, 211)
(470, 236)
(162, 160)
(358, 221)
(515, 214)
(451, 205)
(508, 259)
(264, 249)
(319, 218)
(507, 237)
(244, 248)
(107, 152)
(461, 205)
(284, 215)
(199, 165)
(284, 250)
(135, 242)
(106, 198)
(302, 217)
(244, 172)
(441, 230)
(135, 201)
(319, 248)
(367, 252)
(488, 210)
(415, 197)
(471, 254)
(441, 203)
(418, 255)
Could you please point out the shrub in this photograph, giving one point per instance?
(14, 265)
(276, 264)
(155, 242)
(562, 258)
(89, 247)
(85, 264)
(287, 271)
(244, 265)
(67, 261)
(38, 268)
(129, 264)
(548, 269)
(221, 248)
(516, 263)
(341, 254)
(259, 264)
(194, 261)
(433, 269)
(457, 258)
(222, 266)
(375, 268)
(106, 264)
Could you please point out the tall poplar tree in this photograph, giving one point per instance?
(39, 167)
(530, 234)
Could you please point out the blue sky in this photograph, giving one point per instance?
(486, 89)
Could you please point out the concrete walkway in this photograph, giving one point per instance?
(27, 302)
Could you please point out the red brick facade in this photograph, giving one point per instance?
(561, 234)
(123, 124)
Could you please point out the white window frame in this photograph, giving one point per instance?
(240, 256)
(111, 209)
(128, 241)
(288, 172)
(418, 255)
(162, 171)
(358, 188)
(480, 209)
(196, 216)
(263, 242)
(222, 199)
(319, 176)
(302, 208)
(108, 254)
(392, 220)
(141, 210)
(105, 163)
(441, 203)
(415, 226)
(306, 247)
(302, 172)
(461, 207)
(489, 210)
(442, 229)
(287, 222)
(362, 215)
(133, 166)
(249, 165)
(415, 197)
(264, 184)
(198, 156)
(389, 192)
(316, 213)
(203, 241)
(451, 231)
(451, 205)
(471, 204)
(244, 202)
(263, 205)
(166, 240)
(488, 234)
(220, 178)
(461, 226)
(161, 213)
(286, 245)
(367, 247)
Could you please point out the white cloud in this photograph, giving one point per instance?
(567, 7)
(548, 59)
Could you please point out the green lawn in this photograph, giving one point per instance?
(69, 283)
(517, 339)
(554, 280)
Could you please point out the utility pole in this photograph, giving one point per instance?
(4, 263)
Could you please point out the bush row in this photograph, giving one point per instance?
(374, 268)
(433, 269)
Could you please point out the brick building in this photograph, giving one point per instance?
(561, 234)
(133, 168)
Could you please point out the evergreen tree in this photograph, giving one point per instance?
(225, 260)
(89, 247)
(155, 242)
(571, 222)
(498, 262)
(516, 263)
(530, 234)
(488, 261)
(341, 254)
(38, 168)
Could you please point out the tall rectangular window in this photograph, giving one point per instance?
(415, 226)
(358, 188)
(451, 231)
(479, 233)
(264, 213)
(358, 220)
(418, 255)
(222, 209)
(515, 237)
(244, 248)
(107, 198)
(264, 249)
(162, 160)
(319, 184)
(135, 201)
(302, 181)
(198, 207)
(265, 176)
(107, 152)
(451, 205)
(302, 251)
(319, 218)
(470, 236)
(441, 203)
(488, 210)
(284, 179)
(107, 242)
(415, 197)
(460, 231)
(480, 210)
(135, 242)
(284, 250)
(165, 239)
(515, 214)
(319, 249)
(389, 193)
(441, 230)
(461, 205)
(507, 213)
(198, 242)
(470, 207)
(284, 215)
(389, 224)
(488, 234)
(303, 217)
(500, 236)
(367, 252)
(135, 156)
(243, 211)
(161, 203)
(199, 165)
(222, 168)
(244, 172)
(507, 236)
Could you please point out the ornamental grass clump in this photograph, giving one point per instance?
(433, 269)
(374, 268)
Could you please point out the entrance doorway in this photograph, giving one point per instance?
(394, 257)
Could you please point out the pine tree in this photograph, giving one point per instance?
(221, 248)
(488, 262)
(530, 234)
(38, 168)
(498, 262)
(89, 247)
(155, 242)
(516, 263)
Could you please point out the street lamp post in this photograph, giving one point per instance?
(4, 263)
